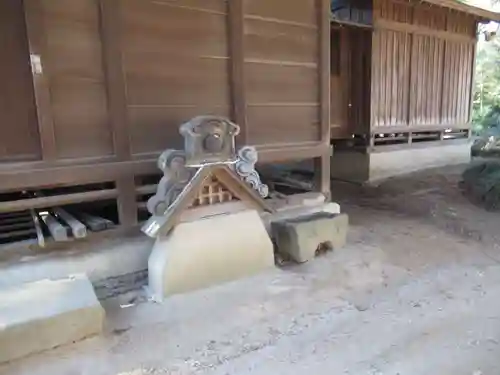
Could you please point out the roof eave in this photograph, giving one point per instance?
(483, 14)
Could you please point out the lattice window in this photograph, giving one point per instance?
(213, 192)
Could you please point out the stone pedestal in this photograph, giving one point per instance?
(209, 251)
(45, 314)
(300, 238)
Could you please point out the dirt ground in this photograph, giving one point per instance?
(415, 292)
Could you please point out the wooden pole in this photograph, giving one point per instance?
(35, 27)
(322, 164)
(237, 67)
(111, 34)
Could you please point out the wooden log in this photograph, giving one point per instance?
(78, 229)
(95, 223)
(38, 227)
(294, 183)
(56, 229)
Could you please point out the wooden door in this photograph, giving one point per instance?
(350, 80)
(339, 82)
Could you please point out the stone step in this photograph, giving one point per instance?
(45, 314)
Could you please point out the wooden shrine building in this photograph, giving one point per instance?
(93, 90)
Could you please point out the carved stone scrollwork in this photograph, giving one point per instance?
(175, 178)
(245, 168)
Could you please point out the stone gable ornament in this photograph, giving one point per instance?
(209, 139)
(207, 172)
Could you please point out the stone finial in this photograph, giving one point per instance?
(209, 139)
(208, 170)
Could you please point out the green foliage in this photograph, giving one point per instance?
(481, 182)
(486, 106)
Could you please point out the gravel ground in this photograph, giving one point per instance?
(416, 291)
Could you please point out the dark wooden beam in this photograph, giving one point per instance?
(57, 200)
(237, 67)
(110, 28)
(35, 27)
(32, 175)
(127, 201)
(421, 30)
(322, 164)
(418, 128)
(111, 34)
(472, 80)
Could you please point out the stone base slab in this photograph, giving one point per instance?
(48, 313)
(209, 251)
(374, 167)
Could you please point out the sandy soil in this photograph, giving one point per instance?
(416, 291)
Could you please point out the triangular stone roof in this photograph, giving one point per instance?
(224, 175)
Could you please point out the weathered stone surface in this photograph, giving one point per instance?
(209, 251)
(294, 211)
(302, 237)
(45, 314)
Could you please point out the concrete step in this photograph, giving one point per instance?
(48, 313)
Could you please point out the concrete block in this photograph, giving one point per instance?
(209, 251)
(387, 162)
(45, 314)
(301, 237)
(393, 163)
(293, 212)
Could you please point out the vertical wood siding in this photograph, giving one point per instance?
(422, 67)
(456, 84)
(426, 81)
(390, 78)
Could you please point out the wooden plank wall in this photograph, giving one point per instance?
(112, 81)
(72, 64)
(281, 70)
(170, 60)
(175, 60)
(422, 67)
(19, 142)
(176, 56)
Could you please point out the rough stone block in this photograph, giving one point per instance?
(209, 251)
(45, 314)
(286, 213)
(301, 237)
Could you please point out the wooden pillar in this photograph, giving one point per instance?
(111, 33)
(237, 67)
(322, 164)
(472, 82)
(35, 27)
